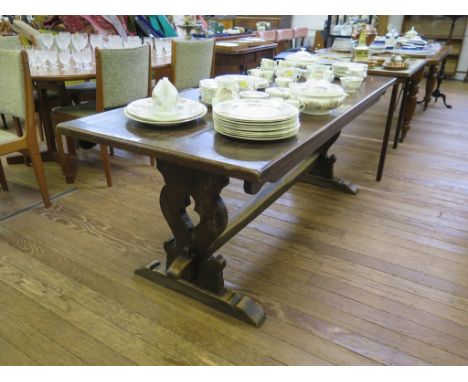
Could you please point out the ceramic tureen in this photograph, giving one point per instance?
(318, 97)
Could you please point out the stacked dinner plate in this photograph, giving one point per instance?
(144, 111)
(256, 119)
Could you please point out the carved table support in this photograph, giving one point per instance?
(191, 266)
(411, 101)
(440, 77)
(321, 172)
(430, 85)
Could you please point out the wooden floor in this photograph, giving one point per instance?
(377, 278)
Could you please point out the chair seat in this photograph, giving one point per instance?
(77, 111)
(6, 137)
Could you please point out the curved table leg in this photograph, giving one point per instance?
(411, 102)
(430, 85)
(191, 267)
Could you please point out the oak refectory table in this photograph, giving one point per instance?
(197, 162)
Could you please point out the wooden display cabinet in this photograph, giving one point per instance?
(437, 28)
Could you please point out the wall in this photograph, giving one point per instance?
(462, 67)
(313, 22)
(396, 21)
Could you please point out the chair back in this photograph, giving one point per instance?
(299, 35)
(269, 35)
(10, 42)
(192, 61)
(122, 76)
(16, 86)
(284, 35)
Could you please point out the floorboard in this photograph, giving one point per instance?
(377, 278)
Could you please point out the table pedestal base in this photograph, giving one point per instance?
(230, 302)
(436, 94)
(323, 177)
(321, 173)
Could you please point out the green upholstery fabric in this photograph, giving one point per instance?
(6, 137)
(124, 75)
(10, 42)
(13, 97)
(193, 62)
(79, 111)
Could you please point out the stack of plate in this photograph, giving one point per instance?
(257, 120)
(144, 111)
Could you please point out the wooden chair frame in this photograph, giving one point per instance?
(27, 143)
(60, 117)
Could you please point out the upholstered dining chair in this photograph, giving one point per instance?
(284, 39)
(122, 76)
(299, 36)
(192, 61)
(269, 35)
(17, 100)
(10, 43)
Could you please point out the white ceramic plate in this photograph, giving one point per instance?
(263, 137)
(255, 110)
(186, 109)
(257, 128)
(162, 123)
(227, 44)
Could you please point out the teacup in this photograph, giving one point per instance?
(255, 72)
(246, 83)
(267, 63)
(228, 89)
(277, 92)
(351, 83)
(283, 82)
(357, 70)
(268, 74)
(288, 72)
(320, 72)
(285, 64)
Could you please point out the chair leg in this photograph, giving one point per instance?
(152, 161)
(19, 132)
(3, 182)
(36, 160)
(5, 126)
(106, 163)
(60, 151)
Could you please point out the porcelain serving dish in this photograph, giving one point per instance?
(318, 97)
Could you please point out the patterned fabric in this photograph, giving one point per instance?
(124, 75)
(193, 62)
(13, 98)
(10, 43)
(6, 137)
(94, 24)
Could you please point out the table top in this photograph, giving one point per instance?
(74, 74)
(198, 145)
(415, 65)
(245, 49)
